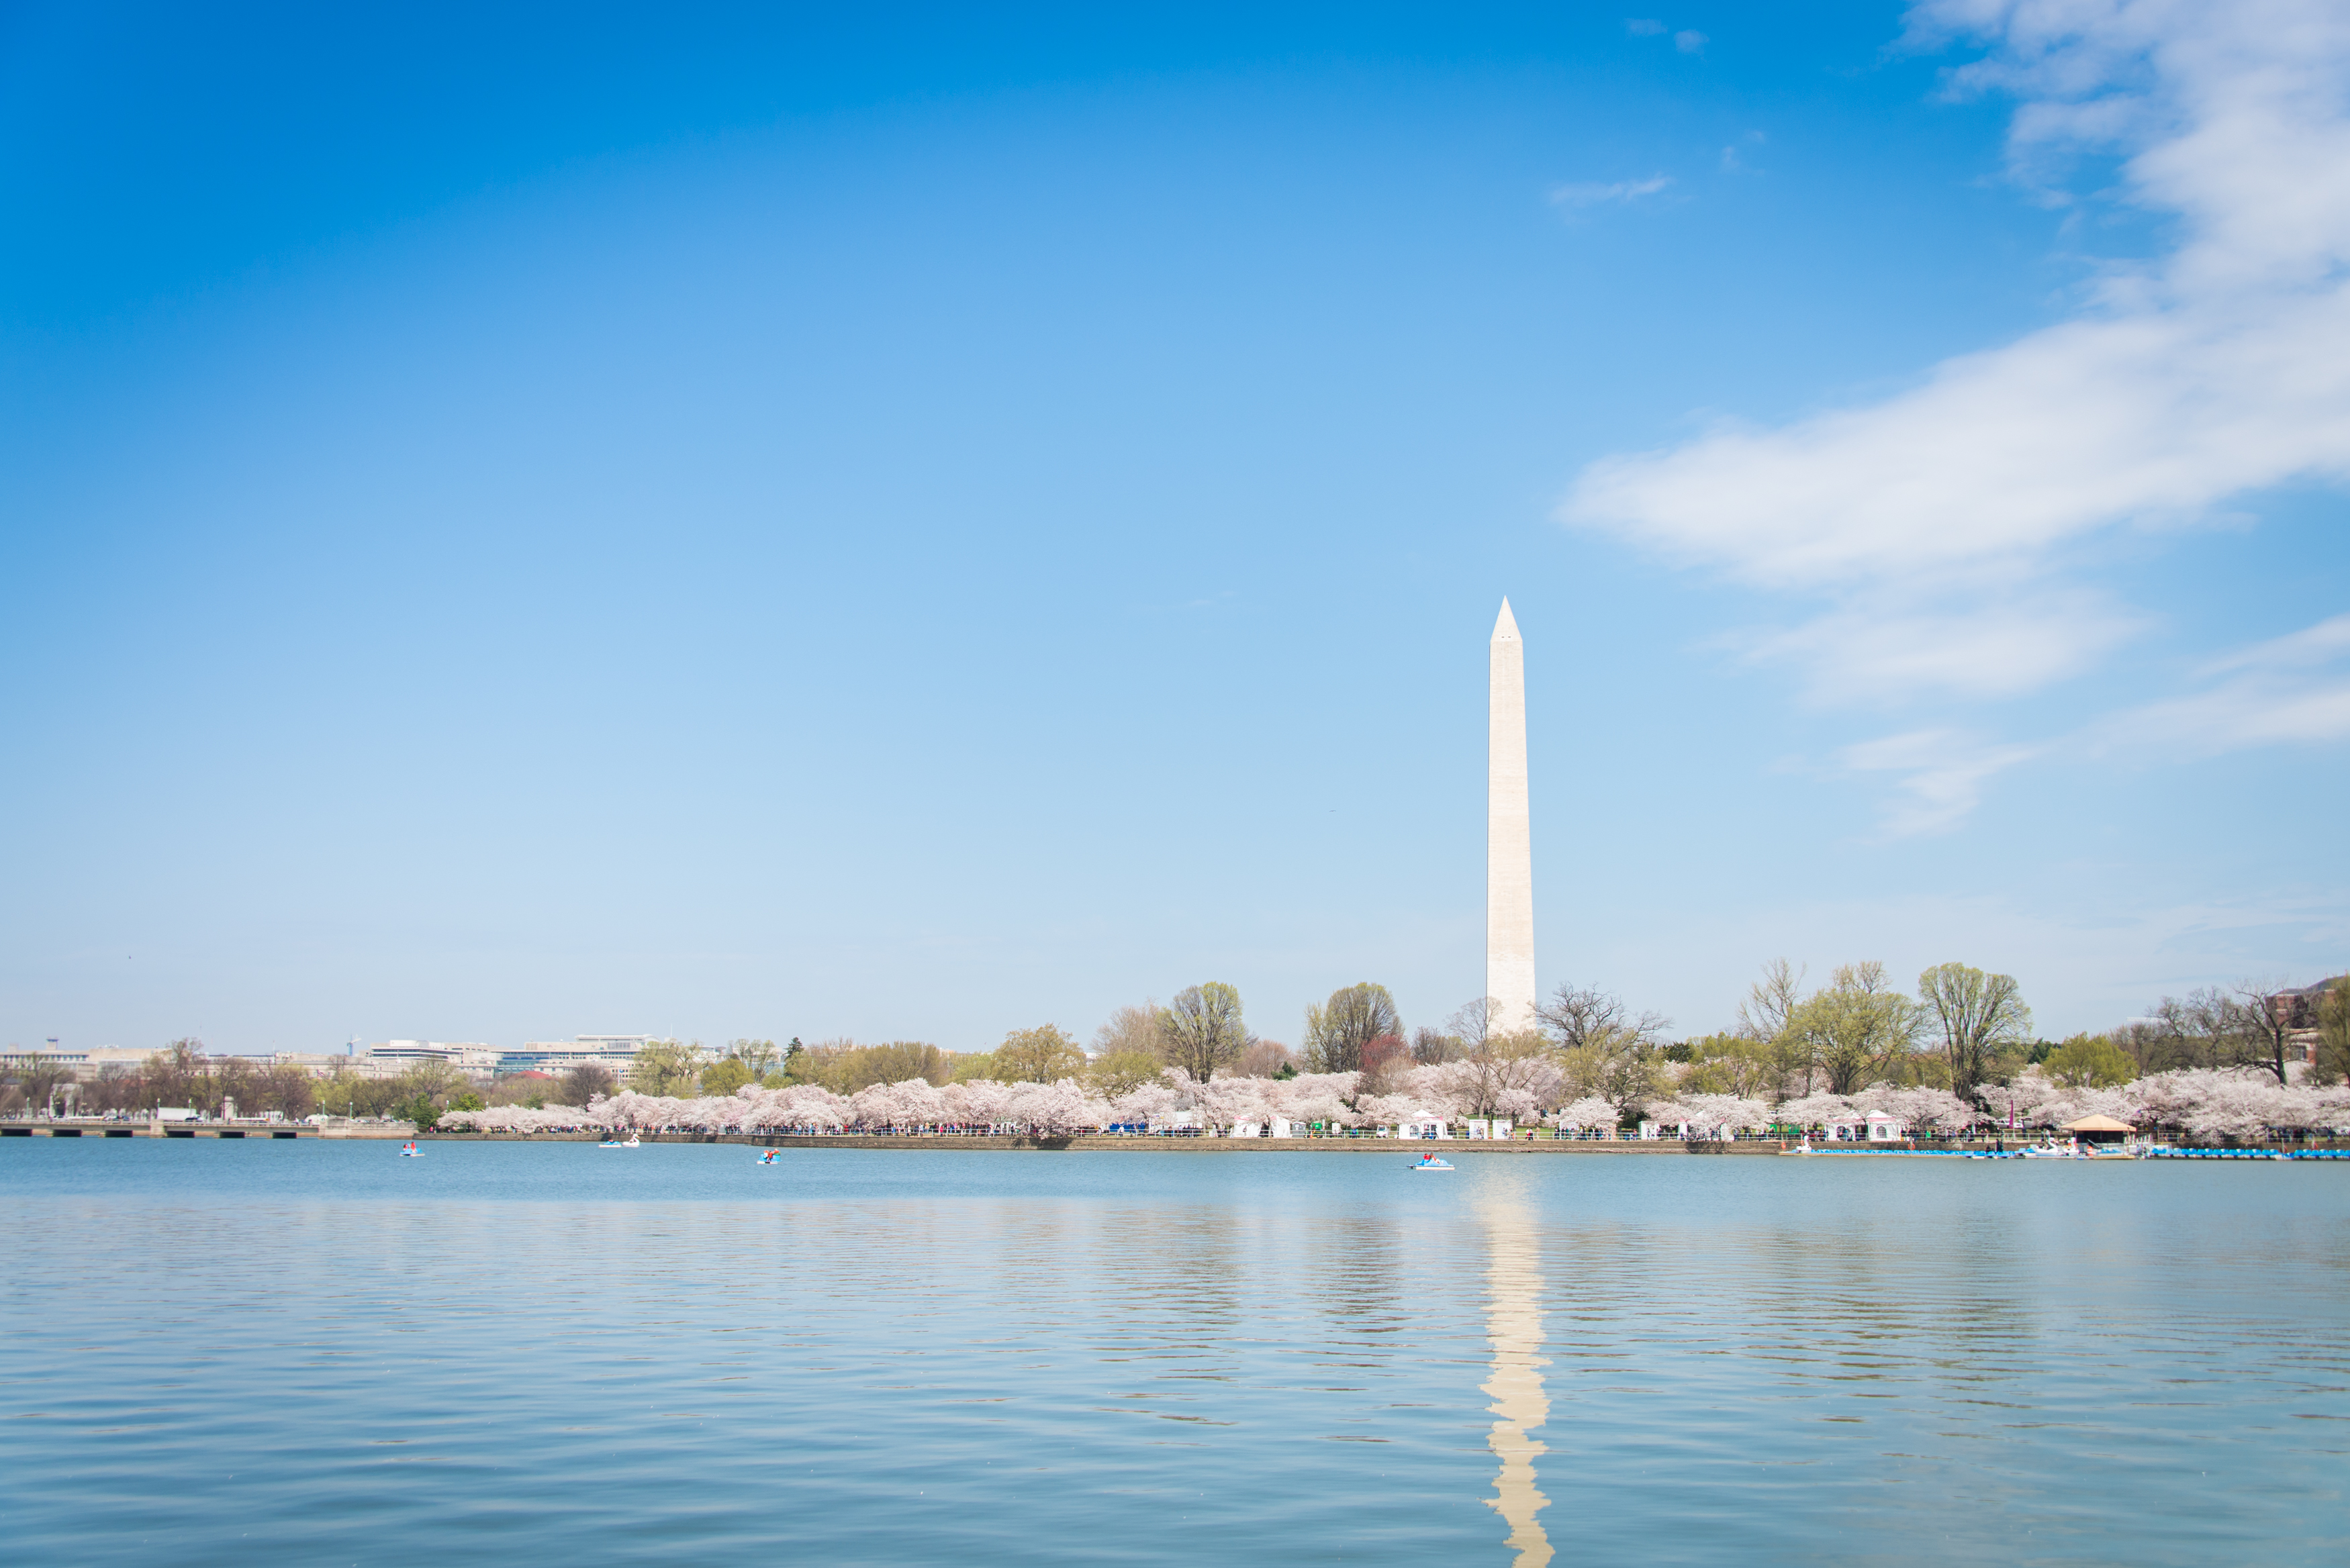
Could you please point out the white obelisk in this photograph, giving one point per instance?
(1509, 841)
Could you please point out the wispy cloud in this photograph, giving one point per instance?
(2321, 644)
(1891, 650)
(1643, 26)
(1689, 41)
(1620, 190)
(1942, 774)
(2290, 690)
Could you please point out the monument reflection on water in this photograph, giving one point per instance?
(1513, 1327)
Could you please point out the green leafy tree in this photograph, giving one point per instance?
(1204, 1030)
(1338, 1031)
(758, 1059)
(1858, 1027)
(667, 1067)
(972, 1066)
(2332, 1064)
(725, 1076)
(1979, 1015)
(844, 1067)
(1731, 1065)
(1115, 1073)
(1039, 1055)
(2090, 1062)
(1616, 1063)
(420, 1110)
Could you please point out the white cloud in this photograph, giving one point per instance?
(1643, 26)
(1942, 775)
(2221, 368)
(1889, 650)
(1689, 41)
(2319, 644)
(1622, 191)
(2279, 693)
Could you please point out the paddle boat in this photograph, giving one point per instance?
(615, 1142)
(2051, 1149)
(410, 1151)
(768, 1158)
(1430, 1162)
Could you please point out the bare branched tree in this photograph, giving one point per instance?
(1432, 1046)
(2266, 1023)
(1133, 1030)
(2205, 1028)
(1265, 1059)
(1770, 1002)
(1130, 1049)
(1575, 1016)
(1337, 1032)
(1204, 1030)
(586, 1081)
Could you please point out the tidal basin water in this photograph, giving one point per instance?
(323, 1352)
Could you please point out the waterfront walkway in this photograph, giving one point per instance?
(2329, 1149)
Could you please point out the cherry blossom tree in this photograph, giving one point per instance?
(1708, 1115)
(1817, 1110)
(1918, 1108)
(1592, 1113)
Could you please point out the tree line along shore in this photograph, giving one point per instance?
(1957, 1055)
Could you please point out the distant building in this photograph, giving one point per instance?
(2297, 1011)
(84, 1063)
(399, 1056)
(616, 1051)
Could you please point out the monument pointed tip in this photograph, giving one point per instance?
(1507, 625)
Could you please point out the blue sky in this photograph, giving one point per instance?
(713, 521)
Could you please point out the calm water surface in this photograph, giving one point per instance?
(321, 1353)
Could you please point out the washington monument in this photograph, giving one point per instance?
(1509, 841)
